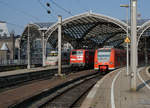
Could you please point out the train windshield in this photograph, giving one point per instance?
(104, 55)
(77, 52)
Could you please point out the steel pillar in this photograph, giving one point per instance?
(127, 43)
(43, 48)
(28, 48)
(133, 44)
(59, 44)
(146, 56)
(127, 58)
(19, 50)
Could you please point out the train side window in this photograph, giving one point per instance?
(86, 53)
(118, 58)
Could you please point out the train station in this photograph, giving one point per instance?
(88, 60)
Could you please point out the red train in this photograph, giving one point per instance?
(103, 60)
(82, 58)
(109, 58)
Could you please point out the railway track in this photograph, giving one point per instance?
(79, 102)
(72, 95)
(67, 95)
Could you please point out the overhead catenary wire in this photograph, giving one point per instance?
(56, 4)
(19, 11)
(13, 24)
(42, 4)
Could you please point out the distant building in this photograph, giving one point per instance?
(67, 46)
(8, 47)
(3, 29)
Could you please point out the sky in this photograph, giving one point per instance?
(19, 13)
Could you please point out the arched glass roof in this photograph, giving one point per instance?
(35, 37)
(89, 30)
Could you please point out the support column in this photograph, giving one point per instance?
(127, 42)
(28, 49)
(59, 45)
(127, 58)
(19, 54)
(146, 56)
(133, 44)
(43, 48)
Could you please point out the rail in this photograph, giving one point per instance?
(40, 100)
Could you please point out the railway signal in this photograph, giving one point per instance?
(127, 40)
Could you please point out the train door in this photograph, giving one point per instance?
(116, 62)
(86, 57)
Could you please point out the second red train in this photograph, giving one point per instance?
(109, 59)
(82, 58)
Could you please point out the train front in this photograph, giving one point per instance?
(77, 58)
(103, 60)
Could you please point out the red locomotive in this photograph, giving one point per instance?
(109, 59)
(82, 58)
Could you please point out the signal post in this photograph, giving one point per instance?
(127, 41)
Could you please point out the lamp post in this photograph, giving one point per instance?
(127, 6)
(133, 44)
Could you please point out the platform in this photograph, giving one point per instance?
(113, 91)
(22, 71)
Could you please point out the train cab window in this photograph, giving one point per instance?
(77, 52)
(104, 55)
(106, 50)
